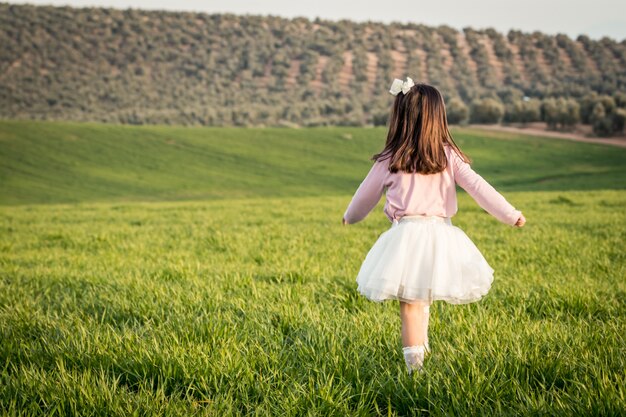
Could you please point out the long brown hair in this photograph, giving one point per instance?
(418, 130)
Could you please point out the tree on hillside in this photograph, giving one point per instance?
(601, 123)
(619, 120)
(561, 112)
(525, 110)
(456, 111)
(487, 110)
(607, 119)
(620, 99)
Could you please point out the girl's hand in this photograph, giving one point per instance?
(344, 222)
(521, 221)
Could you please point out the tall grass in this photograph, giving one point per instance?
(240, 306)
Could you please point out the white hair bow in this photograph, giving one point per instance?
(399, 85)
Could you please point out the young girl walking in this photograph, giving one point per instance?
(422, 257)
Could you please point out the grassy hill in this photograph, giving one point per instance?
(60, 162)
(136, 67)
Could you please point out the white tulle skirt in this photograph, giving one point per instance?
(424, 258)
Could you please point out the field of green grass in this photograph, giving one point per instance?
(204, 271)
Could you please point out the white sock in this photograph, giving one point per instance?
(414, 357)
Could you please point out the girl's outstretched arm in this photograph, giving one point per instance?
(485, 195)
(367, 195)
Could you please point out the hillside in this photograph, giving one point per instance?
(60, 162)
(134, 66)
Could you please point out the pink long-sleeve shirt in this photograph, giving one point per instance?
(430, 195)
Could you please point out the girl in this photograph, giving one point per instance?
(423, 257)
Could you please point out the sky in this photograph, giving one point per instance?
(595, 19)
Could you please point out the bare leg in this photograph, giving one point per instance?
(415, 317)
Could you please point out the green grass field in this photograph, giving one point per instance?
(201, 271)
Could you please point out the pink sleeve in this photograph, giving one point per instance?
(368, 194)
(485, 195)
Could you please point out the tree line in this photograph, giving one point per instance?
(154, 67)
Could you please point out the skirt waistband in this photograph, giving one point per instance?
(422, 218)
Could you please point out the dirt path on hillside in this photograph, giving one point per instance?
(536, 130)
